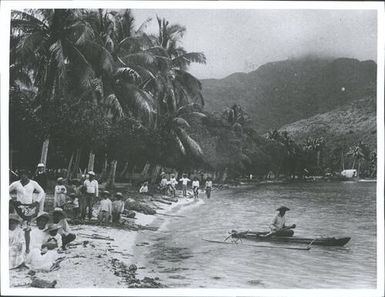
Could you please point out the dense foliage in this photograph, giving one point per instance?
(92, 82)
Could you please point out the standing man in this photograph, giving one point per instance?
(184, 181)
(209, 185)
(41, 178)
(91, 192)
(27, 204)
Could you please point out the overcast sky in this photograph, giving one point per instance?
(242, 40)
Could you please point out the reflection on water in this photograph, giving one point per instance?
(181, 259)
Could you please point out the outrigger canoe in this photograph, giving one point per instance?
(258, 236)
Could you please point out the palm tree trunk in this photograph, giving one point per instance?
(155, 173)
(358, 168)
(145, 169)
(318, 158)
(77, 162)
(91, 161)
(44, 152)
(70, 166)
(124, 169)
(354, 163)
(105, 166)
(111, 181)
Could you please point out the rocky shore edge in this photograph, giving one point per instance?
(102, 256)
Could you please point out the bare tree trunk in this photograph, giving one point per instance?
(91, 161)
(354, 163)
(44, 152)
(155, 173)
(69, 176)
(112, 175)
(124, 169)
(318, 158)
(145, 169)
(105, 167)
(224, 175)
(77, 161)
(358, 168)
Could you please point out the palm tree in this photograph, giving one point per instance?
(357, 154)
(48, 44)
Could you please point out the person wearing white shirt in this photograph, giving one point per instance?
(144, 188)
(172, 184)
(60, 195)
(27, 203)
(105, 210)
(278, 226)
(91, 192)
(184, 181)
(195, 187)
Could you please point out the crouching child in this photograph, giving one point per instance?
(117, 208)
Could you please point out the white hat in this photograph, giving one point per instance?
(91, 173)
(40, 165)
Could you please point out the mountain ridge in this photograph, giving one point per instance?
(282, 92)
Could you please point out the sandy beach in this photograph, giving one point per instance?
(97, 262)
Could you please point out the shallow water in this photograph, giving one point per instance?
(179, 256)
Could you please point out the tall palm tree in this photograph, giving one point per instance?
(357, 153)
(48, 44)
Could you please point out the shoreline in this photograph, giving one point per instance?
(96, 262)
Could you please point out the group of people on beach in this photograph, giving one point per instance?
(169, 185)
(36, 237)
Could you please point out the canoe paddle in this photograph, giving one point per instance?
(261, 246)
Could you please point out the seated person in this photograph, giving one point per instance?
(59, 218)
(117, 208)
(45, 249)
(278, 226)
(144, 188)
(16, 242)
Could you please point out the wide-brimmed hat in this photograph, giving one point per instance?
(119, 194)
(14, 217)
(106, 193)
(40, 165)
(42, 214)
(52, 227)
(91, 173)
(60, 179)
(59, 210)
(283, 208)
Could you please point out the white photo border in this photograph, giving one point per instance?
(7, 6)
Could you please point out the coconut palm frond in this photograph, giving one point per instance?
(26, 21)
(180, 145)
(127, 72)
(143, 26)
(113, 105)
(141, 58)
(188, 58)
(190, 143)
(189, 108)
(181, 122)
(83, 32)
(30, 43)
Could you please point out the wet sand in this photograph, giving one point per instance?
(103, 263)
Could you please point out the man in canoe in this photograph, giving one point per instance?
(278, 226)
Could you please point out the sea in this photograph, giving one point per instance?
(179, 256)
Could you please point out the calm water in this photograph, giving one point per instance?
(180, 258)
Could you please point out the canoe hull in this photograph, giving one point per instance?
(327, 241)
